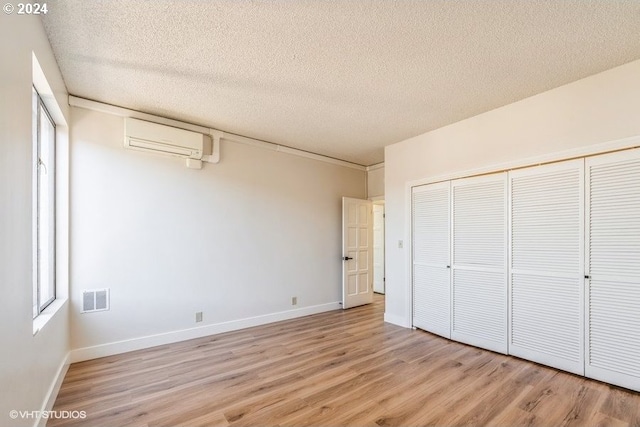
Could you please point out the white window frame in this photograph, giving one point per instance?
(44, 185)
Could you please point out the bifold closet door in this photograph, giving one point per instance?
(479, 255)
(547, 265)
(431, 259)
(613, 268)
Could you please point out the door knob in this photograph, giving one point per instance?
(346, 258)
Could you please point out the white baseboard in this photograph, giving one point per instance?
(118, 347)
(396, 320)
(52, 393)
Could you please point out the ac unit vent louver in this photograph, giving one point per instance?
(151, 137)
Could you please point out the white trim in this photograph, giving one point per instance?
(52, 393)
(574, 153)
(47, 314)
(509, 245)
(396, 320)
(109, 349)
(408, 255)
(41, 84)
(250, 141)
(88, 104)
(319, 157)
(374, 167)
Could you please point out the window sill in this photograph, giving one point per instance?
(47, 314)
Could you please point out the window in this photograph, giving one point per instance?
(44, 221)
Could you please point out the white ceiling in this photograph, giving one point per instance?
(339, 78)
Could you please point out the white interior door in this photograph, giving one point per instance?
(547, 265)
(357, 249)
(613, 268)
(378, 248)
(479, 261)
(431, 258)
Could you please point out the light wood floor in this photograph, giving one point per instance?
(336, 368)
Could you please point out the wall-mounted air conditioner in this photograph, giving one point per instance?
(153, 137)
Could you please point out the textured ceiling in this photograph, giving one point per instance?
(339, 78)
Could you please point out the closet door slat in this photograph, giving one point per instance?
(613, 265)
(547, 270)
(479, 252)
(431, 258)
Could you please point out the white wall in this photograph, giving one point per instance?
(234, 240)
(29, 365)
(578, 116)
(375, 181)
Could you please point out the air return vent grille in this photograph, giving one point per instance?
(95, 300)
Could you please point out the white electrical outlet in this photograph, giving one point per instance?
(198, 316)
(294, 300)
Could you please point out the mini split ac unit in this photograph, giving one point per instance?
(153, 137)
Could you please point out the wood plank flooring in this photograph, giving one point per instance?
(333, 369)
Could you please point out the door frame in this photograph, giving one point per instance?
(380, 202)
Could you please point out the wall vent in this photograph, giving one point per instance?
(95, 300)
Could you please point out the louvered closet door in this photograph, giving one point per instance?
(613, 264)
(479, 269)
(547, 260)
(431, 272)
